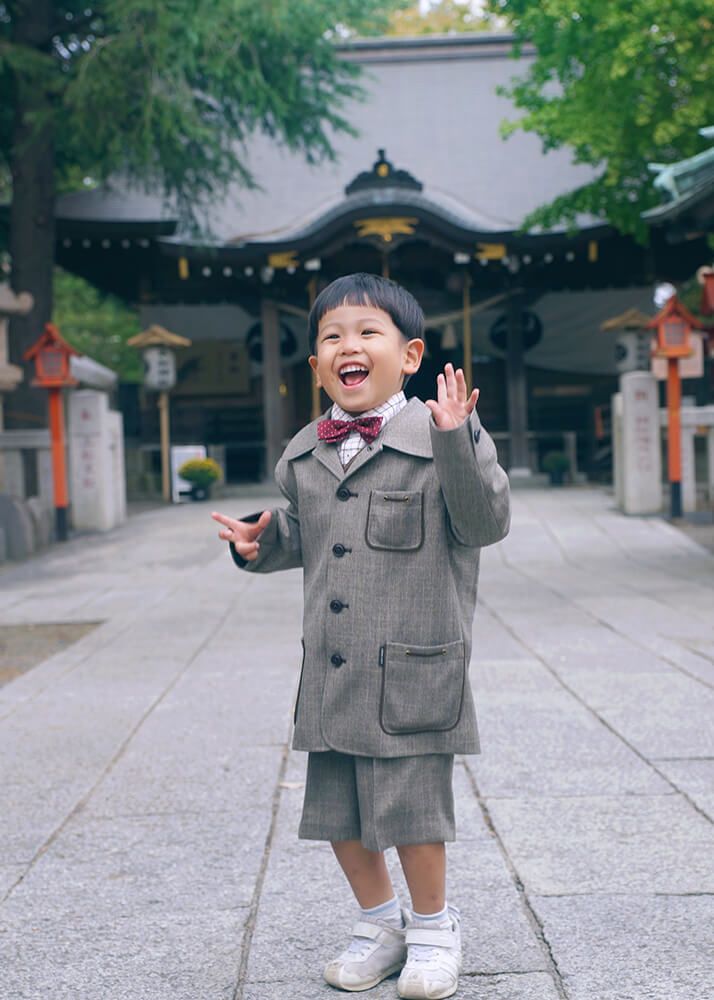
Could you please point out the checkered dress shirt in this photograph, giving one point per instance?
(354, 442)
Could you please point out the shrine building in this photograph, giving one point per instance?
(427, 192)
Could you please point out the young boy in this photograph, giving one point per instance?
(389, 502)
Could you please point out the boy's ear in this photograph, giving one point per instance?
(312, 361)
(412, 356)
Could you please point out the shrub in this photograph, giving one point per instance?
(200, 471)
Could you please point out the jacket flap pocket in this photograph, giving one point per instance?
(395, 519)
(422, 687)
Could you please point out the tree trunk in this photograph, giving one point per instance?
(32, 222)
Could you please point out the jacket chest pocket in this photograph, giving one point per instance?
(395, 520)
(422, 687)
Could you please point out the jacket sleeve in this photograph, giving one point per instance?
(474, 486)
(280, 542)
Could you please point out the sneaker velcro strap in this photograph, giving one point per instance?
(364, 929)
(435, 938)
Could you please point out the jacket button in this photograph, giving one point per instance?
(343, 493)
(336, 606)
(339, 550)
(336, 660)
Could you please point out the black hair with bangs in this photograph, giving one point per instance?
(369, 290)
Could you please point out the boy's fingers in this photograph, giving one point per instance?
(229, 522)
(450, 381)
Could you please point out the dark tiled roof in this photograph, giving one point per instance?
(433, 106)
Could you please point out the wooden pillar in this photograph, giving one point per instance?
(272, 400)
(316, 407)
(468, 348)
(164, 435)
(516, 387)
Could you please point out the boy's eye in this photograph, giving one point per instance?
(368, 332)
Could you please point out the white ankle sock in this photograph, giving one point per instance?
(389, 913)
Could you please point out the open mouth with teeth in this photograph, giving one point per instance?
(353, 375)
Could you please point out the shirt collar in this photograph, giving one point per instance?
(386, 410)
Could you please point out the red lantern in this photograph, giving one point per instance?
(674, 324)
(51, 354)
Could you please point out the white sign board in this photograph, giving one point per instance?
(159, 368)
(180, 453)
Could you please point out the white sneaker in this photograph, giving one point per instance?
(433, 961)
(376, 951)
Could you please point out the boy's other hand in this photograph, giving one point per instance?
(453, 404)
(243, 535)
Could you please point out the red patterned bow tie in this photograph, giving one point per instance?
(333, 431)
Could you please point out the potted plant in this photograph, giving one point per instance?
(556, 464)
(201, 473)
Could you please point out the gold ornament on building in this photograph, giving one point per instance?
(281, 261)
(385, 228)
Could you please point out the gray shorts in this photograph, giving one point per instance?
(384, 802)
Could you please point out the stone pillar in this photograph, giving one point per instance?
(517, 392)
(10, 375)
(96, 461)
(641, 463)
(272, 400)
(689, 474)
(617, 457)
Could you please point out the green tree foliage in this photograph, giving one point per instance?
(165, 93)
(441, 18)
(97, 325)
(621, 83)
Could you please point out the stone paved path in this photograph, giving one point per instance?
(149, 803)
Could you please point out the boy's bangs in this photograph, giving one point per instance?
(369, 290)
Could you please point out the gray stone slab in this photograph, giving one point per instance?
(660, 714)
(623, 843)
(127, 956)
(492, 640)
(527, 986)
(154, 864)
(693, 777)
(631, 947)
(537, 739)
(9, 875)
(173, 776)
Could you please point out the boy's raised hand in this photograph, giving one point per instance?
(453, 404)
(243, 535)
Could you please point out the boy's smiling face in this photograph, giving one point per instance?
(362, 357)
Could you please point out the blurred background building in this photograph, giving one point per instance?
(427, 192)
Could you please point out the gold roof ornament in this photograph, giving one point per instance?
(386, 228)
(158, 336)
(283, 260)
(490, 251)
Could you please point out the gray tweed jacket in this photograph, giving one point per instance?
(390, 550)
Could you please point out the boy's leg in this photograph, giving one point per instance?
(424, 867)
(331, 811)
(365, 871)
